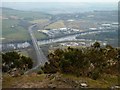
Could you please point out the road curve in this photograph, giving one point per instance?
(41, 58)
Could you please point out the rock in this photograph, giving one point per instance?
(14, 74)
(83, 85)
(52, 77)
(76, 82)
(60, 83)
(115, 87)
(34, 74)
(48, 75)
(65, 81)
(50, 82)
(58, 77)
(52, 86)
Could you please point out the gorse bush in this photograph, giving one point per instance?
(89, 62)
(11, 60)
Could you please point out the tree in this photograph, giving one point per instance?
(96, 45)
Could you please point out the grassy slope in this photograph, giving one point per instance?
(40, 81)
(18, 33)
(103, 82)
(13, 34)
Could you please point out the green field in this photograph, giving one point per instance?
(11, 31)
(17, 33)
(11, 28)
(40, 35)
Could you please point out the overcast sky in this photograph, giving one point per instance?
(60, 0)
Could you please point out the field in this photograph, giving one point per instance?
(11, 31)
(40, 21)
(80, 24)
(56, 25)
(39, 35)
(13, 27)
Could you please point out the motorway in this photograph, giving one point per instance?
(41, 58)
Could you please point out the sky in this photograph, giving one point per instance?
(68, 5)
(60, 0)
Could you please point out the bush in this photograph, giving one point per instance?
(11, 60)
(90, 61)
(40, 72)
(95, 74)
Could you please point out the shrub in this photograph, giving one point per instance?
(95, 74)
(11, 60)
(40, 72)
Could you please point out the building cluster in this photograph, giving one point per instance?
(109, 25)
(59, 31)
(23, 45)
(15, 46)
(81, 43)
(73, 44)
(67, 31)
(106, 26)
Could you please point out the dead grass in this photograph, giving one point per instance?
(104, 82)
(40, 81)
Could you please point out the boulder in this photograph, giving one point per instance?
(52, 86)
(83, 84)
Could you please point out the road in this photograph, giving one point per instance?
(41, 58)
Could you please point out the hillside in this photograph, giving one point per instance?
(56, 81)
(15, 23)
(13, 31)
(94, 67)
(24, 14)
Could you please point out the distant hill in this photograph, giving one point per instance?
(24, 14)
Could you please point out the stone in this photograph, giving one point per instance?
(51, 86)
(83, 85)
